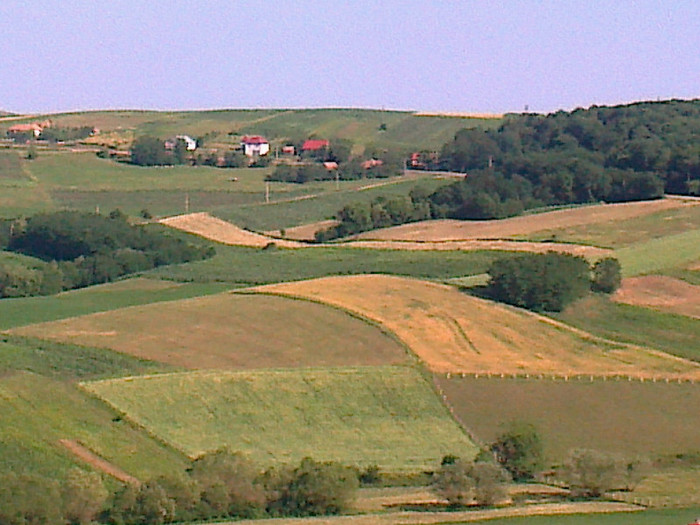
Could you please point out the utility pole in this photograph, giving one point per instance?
(337, 179)
(187, 202)
(267, 192)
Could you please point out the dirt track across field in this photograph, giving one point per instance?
(97, 462)
(662, 293)
(454, 230)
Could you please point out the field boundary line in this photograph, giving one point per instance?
(83, 453)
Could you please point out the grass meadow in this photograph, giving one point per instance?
(10, 166)
(244, 266)
(657, 255)
(618, 416)
(388, 416)
(28, 310)
(672, 333)
(648, 517)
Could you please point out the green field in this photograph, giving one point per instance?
(285, 213)
(37, 412)
(675, 334)
(130, 292)
(649, 517)
(627, 418)
(656, 255)
(387, 416)
(618, 234)
(10, 167)
(253, 266)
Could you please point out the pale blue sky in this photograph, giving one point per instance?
(480, 56)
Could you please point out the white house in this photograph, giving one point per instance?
(189, 141)
(255, 146)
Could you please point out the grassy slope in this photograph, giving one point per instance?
(37, 412)
(454, 332)
(387, 416)
(22, 311)
(662, 253)
(671, 333)
(250, 266)
(326, 204)
(628, 418)
(10, 167)
(650, 517)
(231, 331)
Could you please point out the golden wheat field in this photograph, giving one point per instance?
(456, 333)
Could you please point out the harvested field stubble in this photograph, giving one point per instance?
(662, 293)
(454, 332)
(454, 230)
(230, 331)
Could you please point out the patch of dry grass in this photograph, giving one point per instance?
(660, 293)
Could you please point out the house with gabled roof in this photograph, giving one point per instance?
(255, 145)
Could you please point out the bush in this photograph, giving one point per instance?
(84, 496)
(311, 489)
(590, 474)
(461, 482)
(519, 451)
(29, 499)
(607, 275)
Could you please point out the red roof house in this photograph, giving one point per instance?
(314, 144)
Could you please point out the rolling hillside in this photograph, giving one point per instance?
(457, 333)
(230, 331)
(388, 416)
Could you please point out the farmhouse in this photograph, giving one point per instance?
(33, 128)
(288, 150)
(372, 163)
(189, 141)
(315, 145)
(255, 146)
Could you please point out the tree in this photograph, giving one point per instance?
(539, 281)
(149, 151)
(489, 483)
(454, 482)
(607, 275)
(590, 474)
(84, 496)
(311, 489)
(519, 451)
(28, 499)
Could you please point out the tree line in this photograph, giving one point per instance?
(610, 154)
(79, 249)
(217, 485)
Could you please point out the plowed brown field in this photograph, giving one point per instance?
(454, 332)
(662, 293)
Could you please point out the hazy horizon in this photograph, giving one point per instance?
(447, 56)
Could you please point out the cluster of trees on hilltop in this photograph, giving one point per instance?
(578, 156)
(80, 249)
(219, 485)
(610, 154)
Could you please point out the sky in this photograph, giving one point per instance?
(484, 56)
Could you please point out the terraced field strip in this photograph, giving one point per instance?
(230, 331)
(454, 230)
(616, 415)
(661, 293)
(454, 332)
(673, 251)
(388, 416)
